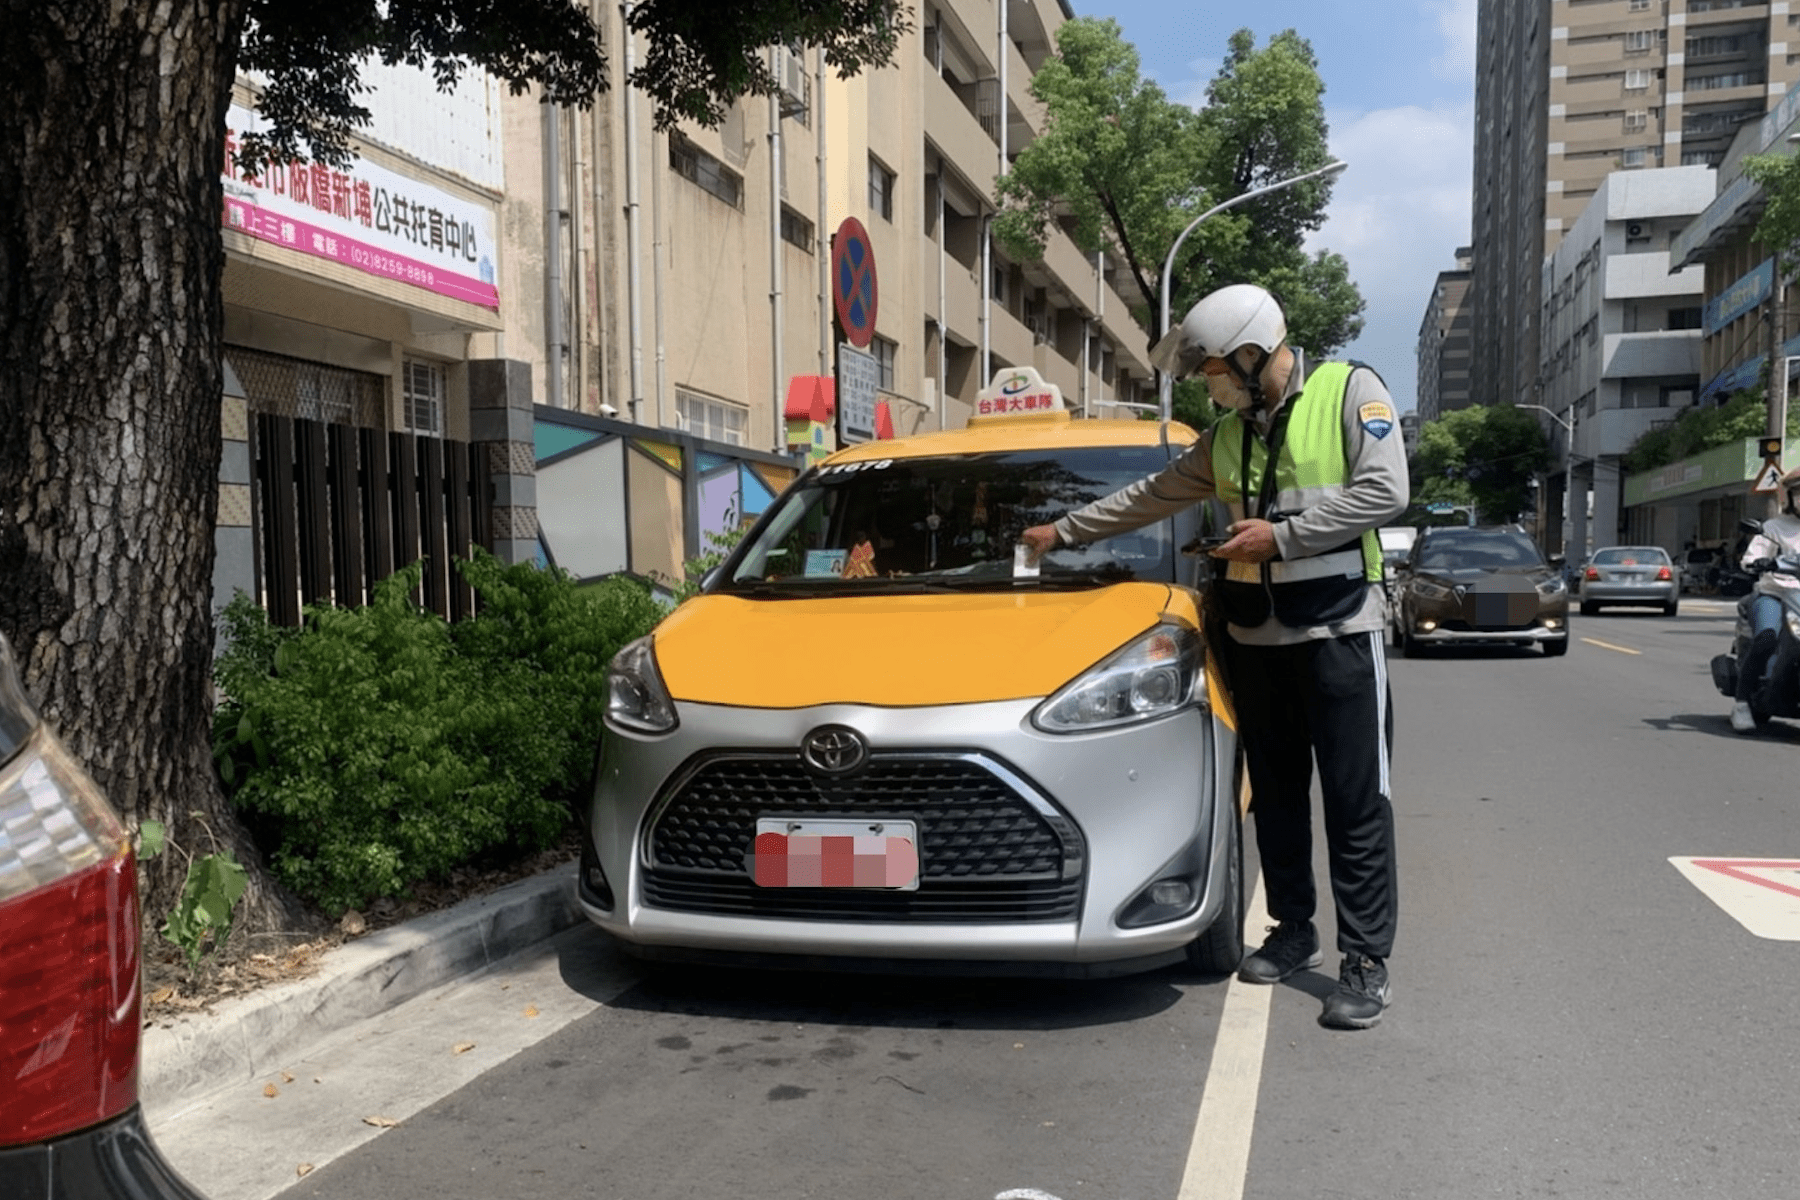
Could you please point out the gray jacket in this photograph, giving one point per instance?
(1376, 490)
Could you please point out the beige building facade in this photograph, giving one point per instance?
(680, 278)
(1572, 90)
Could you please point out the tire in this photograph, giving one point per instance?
(1410, 646)
(1556, 649)
(1671, 608)
(1589, 608)
(1220, 949)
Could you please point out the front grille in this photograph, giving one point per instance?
(986, 854)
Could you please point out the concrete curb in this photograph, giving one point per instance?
(252, 1035)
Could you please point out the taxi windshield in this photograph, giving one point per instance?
(948, 522)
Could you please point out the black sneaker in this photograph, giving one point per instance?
(1291, 946)
(1362, 993)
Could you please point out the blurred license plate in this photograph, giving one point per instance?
(1504, 608)
(835, 854)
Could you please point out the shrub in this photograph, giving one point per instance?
(376, 747)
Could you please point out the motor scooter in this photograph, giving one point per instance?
(1778, 693)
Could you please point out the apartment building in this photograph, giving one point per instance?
(1621, 351)
(1568, 91)
(680, 278)
(1445, 348)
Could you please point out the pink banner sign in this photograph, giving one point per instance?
(282, 230)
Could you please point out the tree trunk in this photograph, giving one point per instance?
(110, 323)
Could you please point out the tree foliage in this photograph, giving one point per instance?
(1779, 226)
(1481, 456)
(699, 57)
(1121, 166)
(1696, 430)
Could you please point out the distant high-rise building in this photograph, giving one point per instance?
(1444, 343)
(1567, 92)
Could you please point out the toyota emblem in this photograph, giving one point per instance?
(834, 750)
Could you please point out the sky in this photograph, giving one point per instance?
(1400, 103)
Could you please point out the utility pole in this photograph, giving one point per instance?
(1776, 391)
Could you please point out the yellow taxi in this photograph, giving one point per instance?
(882, 737)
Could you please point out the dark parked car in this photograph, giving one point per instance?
(1491, 586)
(70, 1126)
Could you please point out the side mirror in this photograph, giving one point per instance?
(1747, 525)
(711, 577)
(1558, 560)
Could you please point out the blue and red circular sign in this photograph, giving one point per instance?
(853, 290)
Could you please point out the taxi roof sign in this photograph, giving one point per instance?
(1019, 392)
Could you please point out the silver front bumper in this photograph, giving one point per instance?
(1537, 633)
(1139, 797)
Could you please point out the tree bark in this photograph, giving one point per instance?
(111, 316)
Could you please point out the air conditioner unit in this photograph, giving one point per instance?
(790, 76)
(1634, 230)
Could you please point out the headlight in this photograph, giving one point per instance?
(635, 695)
(1431, 591)
(1161, 672)
(1551, 586)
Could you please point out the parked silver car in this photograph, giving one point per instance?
(1630, 575)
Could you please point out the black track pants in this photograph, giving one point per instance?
(1326, 699)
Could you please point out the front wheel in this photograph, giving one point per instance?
(1556, 649)
(1589, 608)
(1220, 949)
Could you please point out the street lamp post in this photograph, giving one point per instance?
(1166, 386)
(1568, 496)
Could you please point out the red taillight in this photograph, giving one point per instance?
(1664, 574)
(1593, 573)
(68, 950)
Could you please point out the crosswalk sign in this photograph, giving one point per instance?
(1768, 480)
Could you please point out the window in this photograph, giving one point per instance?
(1631, 157)
(697, 166)
(1636, 120)
(884, 352)
(422, 397)
(881, 190)
(998, 285)
(1639, 5)
(796, 229)
(1639, 41)
(715, 420)
(1637, 80)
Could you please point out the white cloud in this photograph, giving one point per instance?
(1398, 213)
(1456, 21)
(1191, 90)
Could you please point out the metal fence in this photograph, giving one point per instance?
(337, 508)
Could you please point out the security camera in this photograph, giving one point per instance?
(607, 410)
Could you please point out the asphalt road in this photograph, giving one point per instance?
(1573, 1016)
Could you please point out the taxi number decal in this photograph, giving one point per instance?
(845, 468)
(1377, 418)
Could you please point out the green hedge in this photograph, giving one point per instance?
(378, 747)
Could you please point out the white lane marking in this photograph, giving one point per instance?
(1610, 646)
(1219, 1155)
(1761, 894)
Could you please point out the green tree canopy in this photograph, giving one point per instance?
(699, 58)
(1482, 456)
(1123, 167)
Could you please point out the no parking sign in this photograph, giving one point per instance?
(853, 290)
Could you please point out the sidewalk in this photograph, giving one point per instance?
(247, 1036)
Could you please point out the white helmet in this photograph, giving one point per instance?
(1240, 315)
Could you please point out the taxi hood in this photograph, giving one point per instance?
(899, 650)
